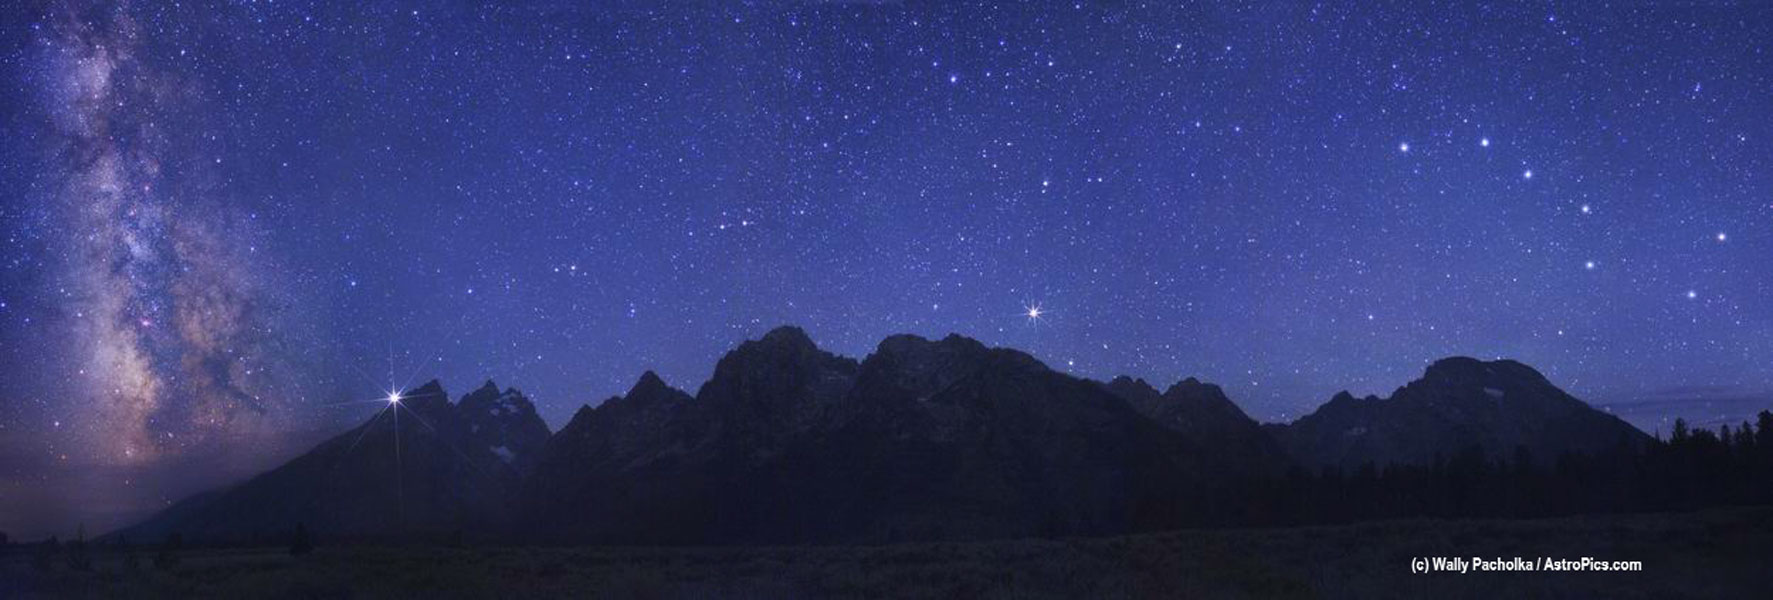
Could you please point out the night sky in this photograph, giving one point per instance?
(221, 222)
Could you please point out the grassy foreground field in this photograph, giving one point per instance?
(1711, 554)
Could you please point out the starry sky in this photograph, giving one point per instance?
(220, 222)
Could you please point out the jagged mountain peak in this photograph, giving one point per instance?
(1190, 391)
(784, 370)
(782, 346)
(921, 367)
(788, 335)
(486, 393)
(905, 343)
(489, 398)
(447, 461)
(428, 400)
(586, 410)
(648, 382)
(1459, 402)
(1192, 386)
(503, 423)
(428, 392)
(1130, 380)
(648, 389)
(1132, 388)
(1203, 413)
(918, 353)
(1464, 370)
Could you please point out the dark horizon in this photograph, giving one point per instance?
(102, 523)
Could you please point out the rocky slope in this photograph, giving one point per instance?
(1458, 404)
(422, 468)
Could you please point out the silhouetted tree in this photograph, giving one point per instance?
(77, 557)
(300, 545)
(4, 540)
(1764, 432)
(1693, 468)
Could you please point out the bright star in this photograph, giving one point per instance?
(1722, 237)
(1587, 209)
(1403, 147)
(1588, 265)
(394, 397)
(1528, 174)
(1692, 294)
(1484, 142)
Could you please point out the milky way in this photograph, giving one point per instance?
(165, 302)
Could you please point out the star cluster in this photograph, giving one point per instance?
(220, 217)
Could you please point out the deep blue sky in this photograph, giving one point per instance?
(220, 221)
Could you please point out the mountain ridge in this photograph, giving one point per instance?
(1500, 407)
(920, 439)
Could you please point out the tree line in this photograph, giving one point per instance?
(1693, 468)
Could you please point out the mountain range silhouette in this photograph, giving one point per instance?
(920, 440)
